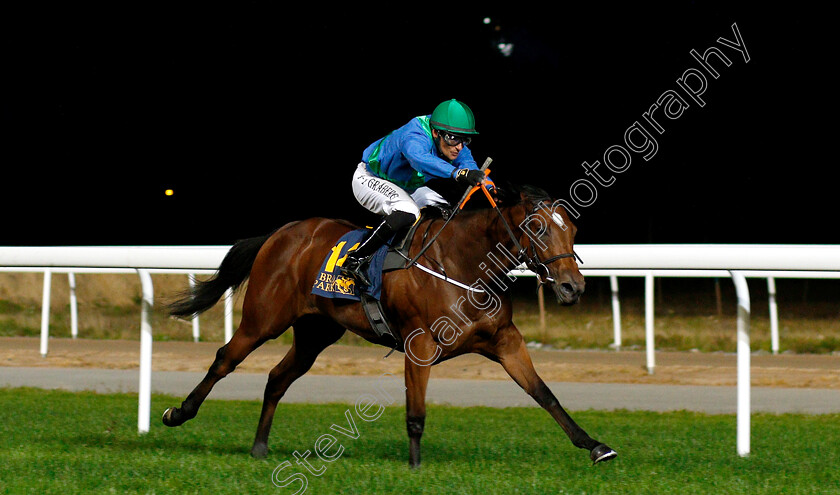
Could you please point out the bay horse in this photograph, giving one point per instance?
(436, 319)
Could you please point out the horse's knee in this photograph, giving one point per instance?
(415, 425)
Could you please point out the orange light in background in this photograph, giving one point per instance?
(169, 192)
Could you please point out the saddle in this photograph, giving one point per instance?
(397, 258)
(393, 256)
(398, 252)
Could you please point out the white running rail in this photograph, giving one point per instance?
(649, 261)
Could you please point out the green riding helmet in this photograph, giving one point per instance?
(453, 116)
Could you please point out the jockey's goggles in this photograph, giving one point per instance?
(454, 139)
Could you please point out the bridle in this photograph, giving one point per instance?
(532, 260)
(536, 265)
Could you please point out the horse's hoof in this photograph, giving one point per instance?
(167, 417)
(259, 451)
(602, 453)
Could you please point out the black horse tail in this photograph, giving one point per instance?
(234, 270)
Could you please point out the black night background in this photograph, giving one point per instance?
(255, 114)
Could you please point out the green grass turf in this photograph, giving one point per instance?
(61, 442)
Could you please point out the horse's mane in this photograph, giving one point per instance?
(514, 194)
(507, 194)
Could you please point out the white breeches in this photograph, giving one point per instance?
(384, 197)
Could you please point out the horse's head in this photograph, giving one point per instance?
(548, 237)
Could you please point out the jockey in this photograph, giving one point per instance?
(390, 179)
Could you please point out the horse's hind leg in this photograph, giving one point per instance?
(513, 356)
(247, 337)
(227, 359)
(313, 334)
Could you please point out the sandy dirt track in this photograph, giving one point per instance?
(680, 368)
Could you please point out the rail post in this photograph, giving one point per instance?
(616, 311)
(228, 314)
(196, 330)
(74, 311)
(743, 350)
(649, 338)
(774, 315)
(45, 313)
(145, 386)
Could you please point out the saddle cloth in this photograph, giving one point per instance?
(331, 283)
(392, 256)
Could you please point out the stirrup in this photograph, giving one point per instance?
(355, 267)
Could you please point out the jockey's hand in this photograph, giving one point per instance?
(469, 177)
(489, 185)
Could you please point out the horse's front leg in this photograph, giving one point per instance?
(511, 353)
(416, 380)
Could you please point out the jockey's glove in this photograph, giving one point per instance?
(490, 185)
(469, 177)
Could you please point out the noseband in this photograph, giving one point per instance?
(532, 259)
(534, 263)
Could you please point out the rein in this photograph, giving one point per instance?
(532, 260)
(461, 204)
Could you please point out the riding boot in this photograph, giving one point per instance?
(356, 263)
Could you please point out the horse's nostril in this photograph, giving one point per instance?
(567, 288)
